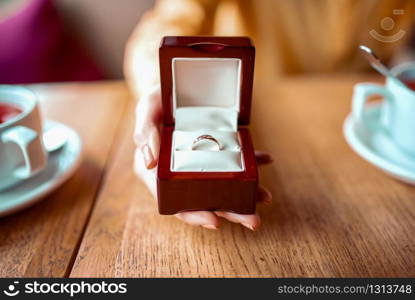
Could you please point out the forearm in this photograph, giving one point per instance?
(169, 17)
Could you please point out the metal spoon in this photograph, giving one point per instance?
(376, 63)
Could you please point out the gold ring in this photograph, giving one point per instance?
(206, 137)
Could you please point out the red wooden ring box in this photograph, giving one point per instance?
(206, 84)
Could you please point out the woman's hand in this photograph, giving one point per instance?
(147, 139)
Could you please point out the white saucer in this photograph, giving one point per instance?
(62, 163)
(377, 147)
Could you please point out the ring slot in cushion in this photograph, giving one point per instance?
(183, 140)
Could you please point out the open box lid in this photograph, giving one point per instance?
(206, 71)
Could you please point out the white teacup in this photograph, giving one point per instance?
(398, 112)
(22, 153)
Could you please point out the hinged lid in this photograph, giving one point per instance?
(206, 71)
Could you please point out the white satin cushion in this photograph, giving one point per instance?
(183, 140)
(221, 123)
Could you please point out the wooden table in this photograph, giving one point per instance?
(333, 213)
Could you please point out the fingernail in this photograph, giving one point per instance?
(148, 156)
(264, 196)
(209, 226)
(249, 226)
(268, 197)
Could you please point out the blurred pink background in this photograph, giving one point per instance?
(72, 40)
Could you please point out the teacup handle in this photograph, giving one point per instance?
(362, 91)
(33, 151)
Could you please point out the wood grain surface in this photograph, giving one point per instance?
(333, 213)
(43, 240)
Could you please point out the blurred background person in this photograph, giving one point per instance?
(296, 36)
(71, 33)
